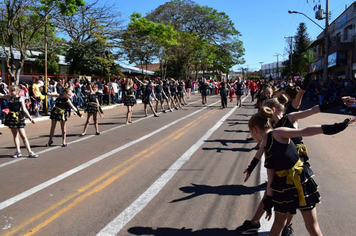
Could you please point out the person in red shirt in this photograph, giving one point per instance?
(253, 88)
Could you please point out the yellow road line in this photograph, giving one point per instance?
(155, 147)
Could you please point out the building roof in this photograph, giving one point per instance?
(150, 67)
(17, 55)
(133, 69)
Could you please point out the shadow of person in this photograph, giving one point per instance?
(186, 232)
(219, 150)
(224, 190)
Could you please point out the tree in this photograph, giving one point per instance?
(92, 33)
(299, 55)
(52, 63)
(204, 22)
(23, 20)
(143, 41)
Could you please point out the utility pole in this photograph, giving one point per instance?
(326, 35)
(261, 67)
(291, 54)
(276, 55)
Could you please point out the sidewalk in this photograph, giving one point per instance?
(42, 118)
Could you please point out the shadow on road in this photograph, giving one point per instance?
(224, 190)
(219, 150)
(186, 232)
(224, 142)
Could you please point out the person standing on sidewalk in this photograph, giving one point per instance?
(16, 121)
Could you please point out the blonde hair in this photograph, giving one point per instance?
(15, 88)
(261, 119)
(277, 103)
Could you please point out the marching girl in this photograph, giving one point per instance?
(290, 185)
(93, 108)
(160, 95)
(239, 91)
(204, 91)
(174, 96)
(59, 114)
(167, 93)
(181, 91)
(16, 121)
(130, 100)
(280, 119)
(148, 95)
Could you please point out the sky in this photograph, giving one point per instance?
(263, 24)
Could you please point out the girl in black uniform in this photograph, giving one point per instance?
(92, 108)
(290, 185)
(174, 96)
(181, 91)
(238, 91)
(280, 119)
(130, 100)
(204, 91)
(148, 96)
(167, 92)
(15, 120)
(160, 95)
(59, 114)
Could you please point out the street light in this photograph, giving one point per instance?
(297, 12)
(326, 37)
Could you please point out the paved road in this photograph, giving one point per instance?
(177, 174)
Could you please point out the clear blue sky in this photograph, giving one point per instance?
(263, 24)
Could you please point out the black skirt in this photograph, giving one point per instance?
(130, 100)
(15, 120)
(58, 114)
(92, 107)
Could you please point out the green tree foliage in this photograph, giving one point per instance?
(92, 32)
(144, 41)
(23, 21)
(301, 55)
(52, 63)
(205, 23)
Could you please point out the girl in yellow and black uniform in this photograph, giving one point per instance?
(59, 114)
(92, 108)
(15, 120)
(290, 185)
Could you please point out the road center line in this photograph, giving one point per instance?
(54, 180)
(116, 225)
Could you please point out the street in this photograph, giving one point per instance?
(177, 174)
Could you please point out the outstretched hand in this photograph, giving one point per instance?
(247, 175)
(349, 101)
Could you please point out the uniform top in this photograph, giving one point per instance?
(61, 103)
(15, 104)
(280, 156)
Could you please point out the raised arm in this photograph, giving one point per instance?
(284, 134)
(347, 100)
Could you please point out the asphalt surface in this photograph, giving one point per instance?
(177, 174)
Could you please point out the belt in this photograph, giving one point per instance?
(61, 111)
(16, 114)
(293, 178)
(302, 149)
(97, 104)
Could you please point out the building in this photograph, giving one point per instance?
(28, 72)
(272, 68)
(342, 40)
